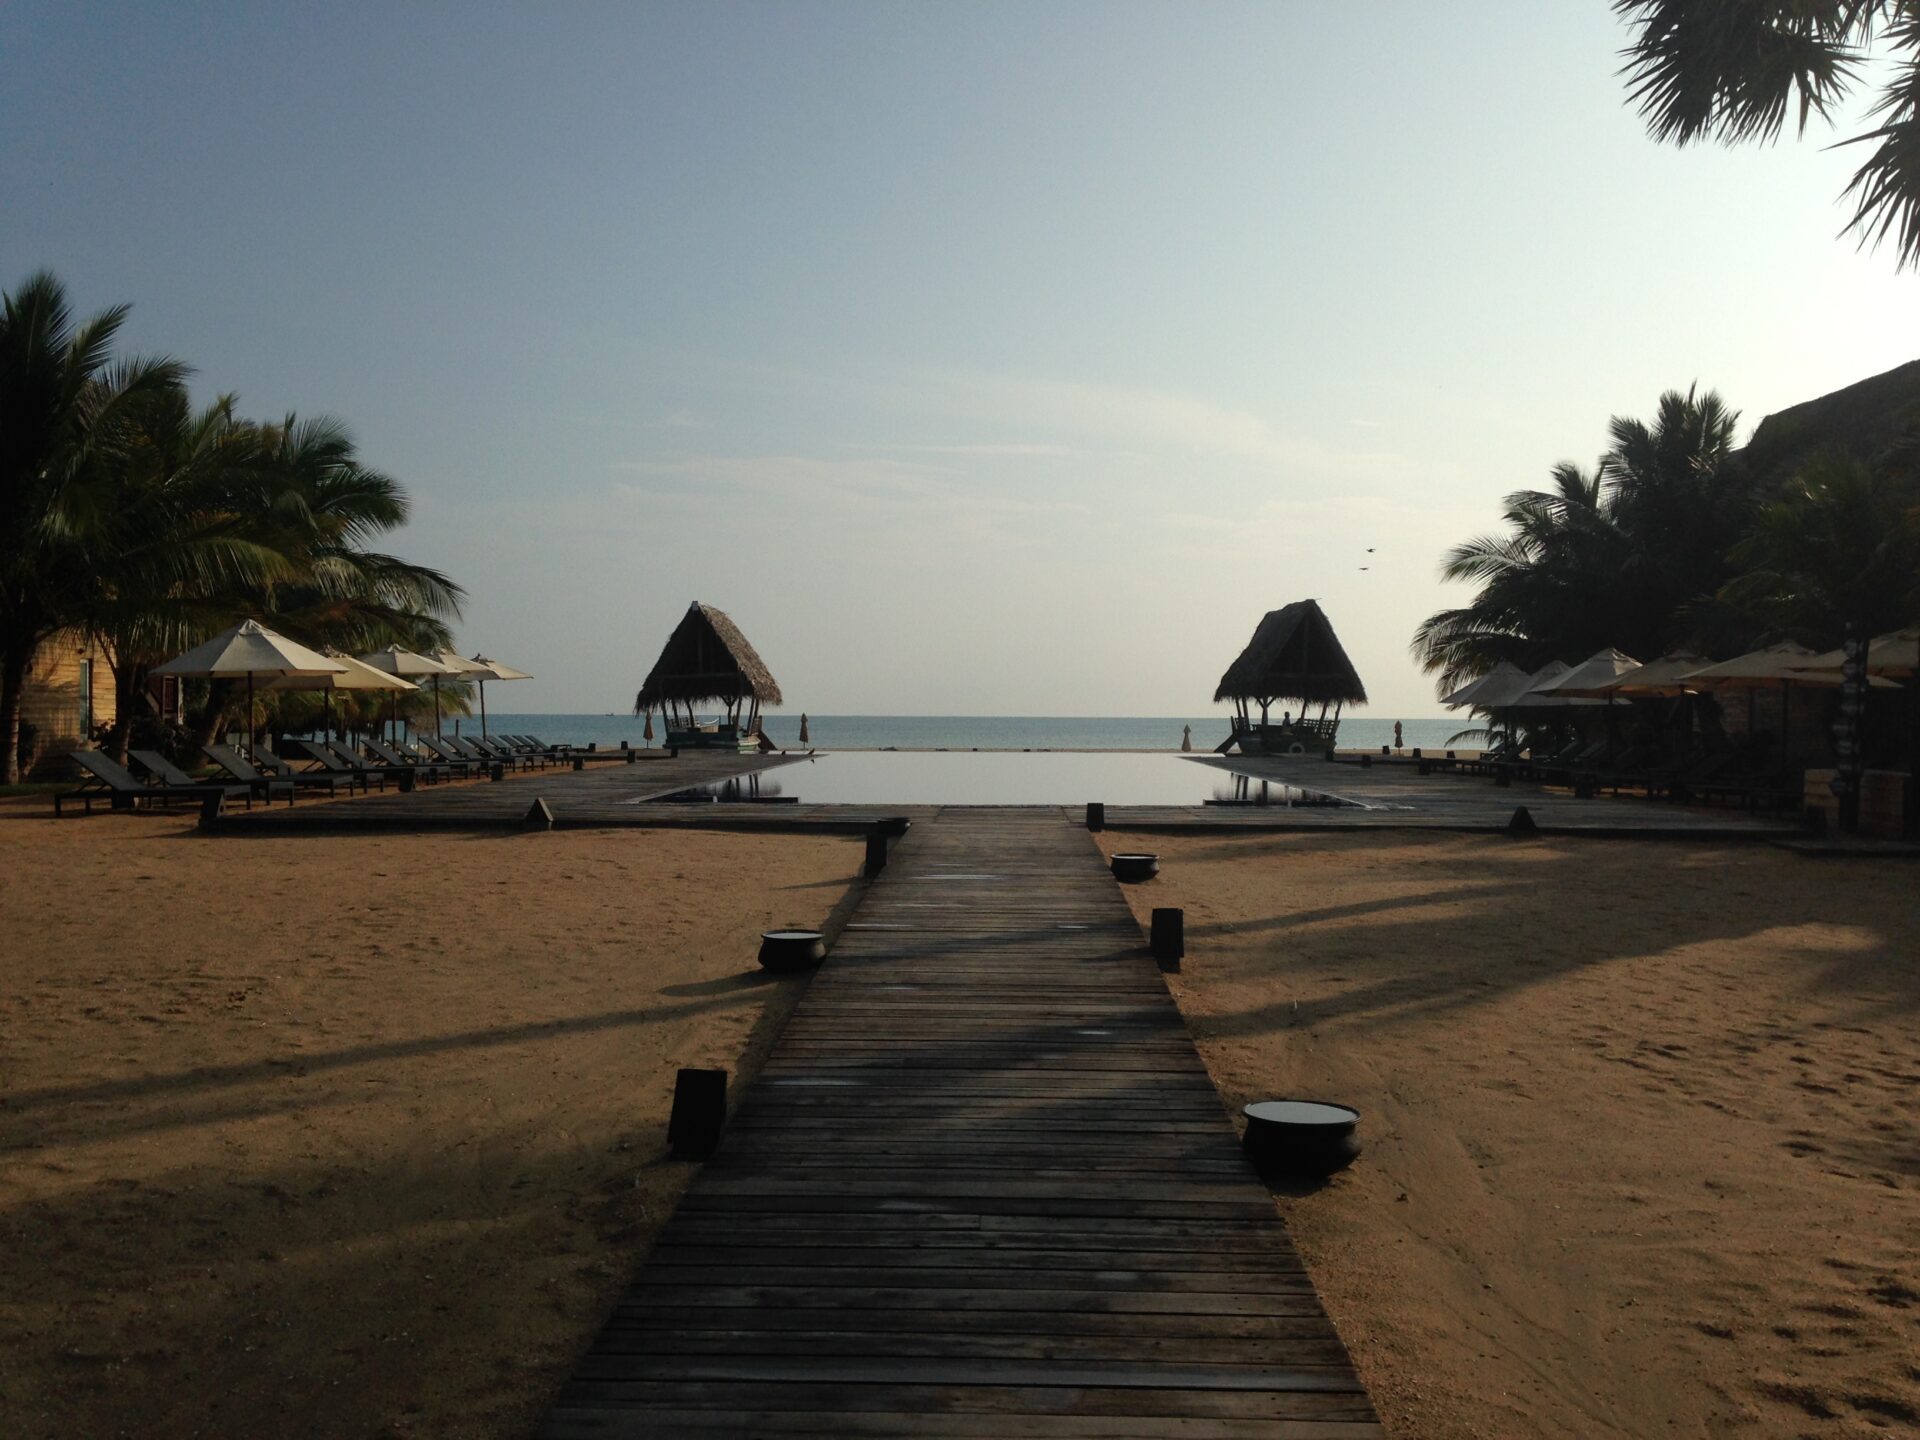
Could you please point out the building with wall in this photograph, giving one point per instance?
(69, 690)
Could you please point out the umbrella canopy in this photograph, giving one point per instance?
(1501, 687)
(249, 649)
(1756, 670)
(353, 675)
(1895, 653)
(357, 675)
(405, 663)
(409, 663)
(1537, 696)
(491, 670)
(1469, 694)
(1592, 677)
(1658, 677)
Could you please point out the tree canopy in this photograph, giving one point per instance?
(1733, 70)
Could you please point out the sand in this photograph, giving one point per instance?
(1641, 1119)
(351, 1136)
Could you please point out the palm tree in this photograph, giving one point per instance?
(1838, 550)
(63, 413)
(1612, 557)
(1732, 69)
(313, 503)
(173, 548)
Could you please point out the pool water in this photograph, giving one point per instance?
(1056, 777)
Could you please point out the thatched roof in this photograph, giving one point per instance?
(706, 658)
(1294, 655)
(1863, 420)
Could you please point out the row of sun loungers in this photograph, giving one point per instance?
(1753, 779)
(322, 765)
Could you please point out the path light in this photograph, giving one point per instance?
(784, 951)
(1301, 1137)
(1522, 826)
(1096, 815)
(699, 1113)
(1168, 937)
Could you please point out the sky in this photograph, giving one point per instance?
(975, 358)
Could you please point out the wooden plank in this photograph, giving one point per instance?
(982, 1186)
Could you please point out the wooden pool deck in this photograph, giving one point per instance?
(982, 1187)
(607, 793)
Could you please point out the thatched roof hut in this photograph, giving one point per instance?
(1294, 655)
(707, 658)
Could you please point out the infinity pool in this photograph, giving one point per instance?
(1055, 777)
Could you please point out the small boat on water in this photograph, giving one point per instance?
(1293, 657)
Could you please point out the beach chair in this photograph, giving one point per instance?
(403, 773)
(174, 778)
(331, 762)
(237, 765)
(302, 779)
(106, 780)
(429, 770)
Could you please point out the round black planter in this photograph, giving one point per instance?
(1133, 869)
(787, 950)
(1301, 1137)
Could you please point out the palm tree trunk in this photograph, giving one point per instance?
(13, 682)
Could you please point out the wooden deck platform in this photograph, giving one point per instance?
(1397, 797)
(983, 1186)
(606, 793)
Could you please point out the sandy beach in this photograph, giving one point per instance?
(1642, 1153)
(363, 1131)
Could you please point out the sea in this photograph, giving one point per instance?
(965, 732)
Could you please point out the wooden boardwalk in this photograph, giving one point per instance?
(983, 1186)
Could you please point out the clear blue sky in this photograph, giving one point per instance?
(976, 358)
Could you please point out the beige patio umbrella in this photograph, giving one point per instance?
(491, 670)
(1593, 677)
(356, 675)
(456, 664)
(1505, 674)
(1896, 653)
(249, 649)
(1659, 677)
(1762, 670)
(409, 665)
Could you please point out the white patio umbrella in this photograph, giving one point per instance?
(493, 670)
(1593, 677)
(456, 664)
(249, 649)
(1763, 669)
(1659, 677)
(356, 675)
(1468, 694)
(1896, 653)
(409, 665)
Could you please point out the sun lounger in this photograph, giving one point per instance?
(174, 778)
(303, 779)
(429, 770)
(237, 765)
(333, 763)
(106, 780)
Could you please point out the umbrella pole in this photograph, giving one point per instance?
(436, 707)
(483, 709)
(253, 736)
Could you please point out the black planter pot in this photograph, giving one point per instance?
(1301, 1137)
(783, 951)
(1133, 869)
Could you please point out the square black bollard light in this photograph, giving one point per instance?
(1169, 936)
(699, 1113)
(497, 770)
(1096, 815)
(405, 778)
(631, 755)
(876, 854)
(578, 763)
